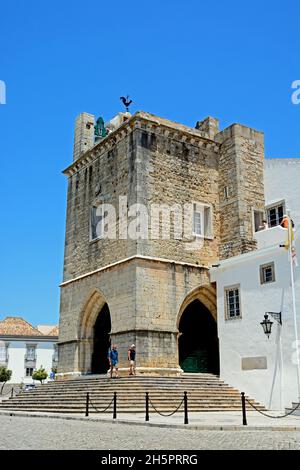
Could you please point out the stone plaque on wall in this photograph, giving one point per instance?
(251, 363)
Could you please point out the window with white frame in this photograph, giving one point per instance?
(30, 352)
(96, 226)
(202, 220)
(267, 273)
(275, 213)
(232, 302)
(198, 223)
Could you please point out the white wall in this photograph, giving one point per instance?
(282, 181)
(16, 355)
(244, 337)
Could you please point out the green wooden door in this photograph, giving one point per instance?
(196, 361)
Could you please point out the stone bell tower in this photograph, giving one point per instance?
(84, 134)
(142, 286)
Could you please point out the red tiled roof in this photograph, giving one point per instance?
(53, 332)
(17, 326)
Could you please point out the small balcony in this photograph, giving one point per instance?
(271, 237)
(30, 357)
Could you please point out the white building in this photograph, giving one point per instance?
(257, 282)
(282, 187)
(24, 348)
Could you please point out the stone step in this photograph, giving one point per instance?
(205, 392)
(81, 410)
(133, 384)
(130, 390)
(120, 405)
(128, 400)
(124, 411)
(132, 410)
(185, 376)
(137, 379)
(125, 404)
(132, 395)
(127, 397)
(137, 400)
(125, 408)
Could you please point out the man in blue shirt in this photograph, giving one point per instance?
(113, 358)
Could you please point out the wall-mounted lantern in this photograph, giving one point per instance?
(267, 323)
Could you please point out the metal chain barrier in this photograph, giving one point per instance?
(101, 411)
(89, 402)
(163, 414)
(11, 392)
(270, 416)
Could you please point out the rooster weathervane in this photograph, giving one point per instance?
(126, 102)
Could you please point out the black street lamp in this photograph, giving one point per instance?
(267, 323)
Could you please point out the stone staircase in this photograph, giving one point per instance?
(206, 392)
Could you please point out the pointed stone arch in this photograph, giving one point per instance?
(206, 295)
(198, 348)
(92, 307)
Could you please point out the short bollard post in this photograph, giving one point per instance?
(12, 392)
(87, 404)
(185, 401)
(244, 409)
(147, 407)
(115, 406)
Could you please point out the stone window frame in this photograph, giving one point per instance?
(227, 289)
(275, 205)
(262, 269)
(200, 208)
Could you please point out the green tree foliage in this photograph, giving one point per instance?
(40, 374)
(5, 375)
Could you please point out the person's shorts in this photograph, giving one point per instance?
(114, 363)
(132, 363)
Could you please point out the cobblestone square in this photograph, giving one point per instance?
(61, 434)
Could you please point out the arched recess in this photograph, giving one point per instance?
(206, 295)
(198, 348)
(94, 309)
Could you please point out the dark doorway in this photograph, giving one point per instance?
(198, 343)
(102, 329)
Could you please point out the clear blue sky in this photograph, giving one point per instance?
(181, 60)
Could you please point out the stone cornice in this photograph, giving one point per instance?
(128, 330)
(143, 121)
(132, 258)
(143, 329)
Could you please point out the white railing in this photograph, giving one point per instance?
(270, 236)
(30, 357)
